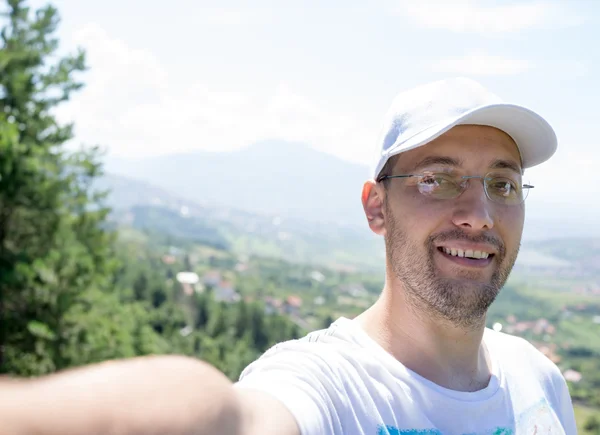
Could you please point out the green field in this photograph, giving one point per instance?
(583, 415)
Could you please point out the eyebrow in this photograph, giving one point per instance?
(449, 161)
(437, 160)
(506, 164)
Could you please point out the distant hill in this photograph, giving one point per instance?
(143, 206)
(294, 181)
(583, 252)
(281, 178)
(127, 192)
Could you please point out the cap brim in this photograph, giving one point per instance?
(535, 138)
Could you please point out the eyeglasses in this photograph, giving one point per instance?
(499, 188)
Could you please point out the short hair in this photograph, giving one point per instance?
(387, 169)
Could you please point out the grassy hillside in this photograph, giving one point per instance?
(584, 417)
(562, 324)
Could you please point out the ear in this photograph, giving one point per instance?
(372, 201)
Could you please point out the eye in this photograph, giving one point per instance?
(503, 187)
(435, 179)
(437, 184)
(429, 179)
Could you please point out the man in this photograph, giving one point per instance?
(448, 197)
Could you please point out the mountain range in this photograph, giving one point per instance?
(277, 178)
(143, 206)
(284, 199)
(291, 180)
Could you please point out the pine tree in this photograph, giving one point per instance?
(55, 255)
(140, 287)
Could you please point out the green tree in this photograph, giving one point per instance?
(327, 321)
(242, 321)
(140, 287)
(159, 296)
(592, 425)
(258, 328)
(202, 311)
(187, 264)
(217, 323)
(53, 246)
(237, 356)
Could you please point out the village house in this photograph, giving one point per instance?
(292, 305)
(212, 278)
(225, 292)
(169, 259)
(273, 305)
(572, 376)
(188, 281)
(319, 300)
(317, 276)
(355, 290)
(538, 327)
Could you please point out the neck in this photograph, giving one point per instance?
(448, 355)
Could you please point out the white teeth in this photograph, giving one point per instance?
(468, 253)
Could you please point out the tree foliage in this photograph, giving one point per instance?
(592, 425)
(54, 251)
(70, 292)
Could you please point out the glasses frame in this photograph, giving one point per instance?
(463, 185)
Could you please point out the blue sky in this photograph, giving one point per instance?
(184, 75)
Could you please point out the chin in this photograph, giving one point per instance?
(467, 279)
(469, 286)
(464, 295)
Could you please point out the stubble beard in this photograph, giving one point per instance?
(463, 301)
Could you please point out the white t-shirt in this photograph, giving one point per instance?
(340, 381)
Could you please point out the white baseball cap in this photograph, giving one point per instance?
(418, 116)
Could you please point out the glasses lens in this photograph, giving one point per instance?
(505, 190)
(439, 186)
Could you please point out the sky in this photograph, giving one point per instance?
(188, 75)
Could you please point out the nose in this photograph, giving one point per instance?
(472, 209)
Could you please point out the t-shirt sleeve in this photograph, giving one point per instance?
(304, 382)
(567, 413)
(558, 392)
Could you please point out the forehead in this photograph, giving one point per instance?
(476, 147)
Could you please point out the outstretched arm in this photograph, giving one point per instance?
(147, 395)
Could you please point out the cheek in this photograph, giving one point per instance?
(418, 217)
(509, 224)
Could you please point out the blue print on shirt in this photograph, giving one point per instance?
(497, 431)
(538, 419)
(391, 430)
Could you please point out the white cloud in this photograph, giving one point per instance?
(132, 105)
(481, 64)
(472, 16)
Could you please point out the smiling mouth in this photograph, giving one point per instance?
(469, 253)
(467, 258)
